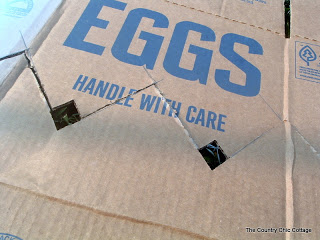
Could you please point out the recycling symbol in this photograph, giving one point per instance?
(307, 54)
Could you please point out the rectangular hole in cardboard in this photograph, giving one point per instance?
(213, 154)
(65, 115)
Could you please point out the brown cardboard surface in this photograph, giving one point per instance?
(209, 97)
(125, 172)
(304, 116)
(155, 185)
(305, 19)
(304, 90)
(306, 181)
(82, 164)
(33, 216)
(247, 117)
(267, 14)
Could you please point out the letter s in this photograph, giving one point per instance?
(126, 34)
(253, 74)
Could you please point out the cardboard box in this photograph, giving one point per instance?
(155, 81)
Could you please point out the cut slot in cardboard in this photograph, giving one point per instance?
(65, 114)
(213, 154)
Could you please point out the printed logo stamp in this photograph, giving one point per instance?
(255, 1)
(16, 8)
(307, 62)
(5, 236)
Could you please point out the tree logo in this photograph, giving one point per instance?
(307, 54)
(16, 8)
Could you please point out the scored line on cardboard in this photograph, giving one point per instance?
(312, 148)
(274, 111)
(32, 67)
(212, 152)
(251, 25)
(176, 117)
(253, 141)
(105, 213)
(311, 39)
(230, 19)
(120, 99)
